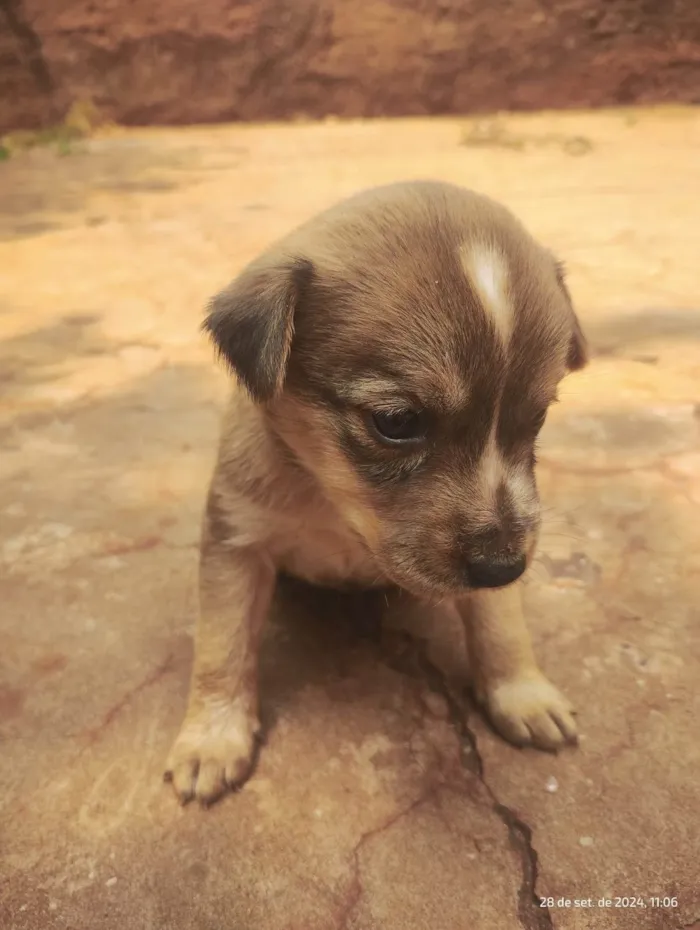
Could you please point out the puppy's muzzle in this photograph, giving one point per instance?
(495, 557)
(485, 572)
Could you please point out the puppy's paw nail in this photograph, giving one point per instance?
(530, 711)
(212, 753)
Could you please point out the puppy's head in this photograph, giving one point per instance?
(406, 345)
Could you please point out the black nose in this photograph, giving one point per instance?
(494, 573)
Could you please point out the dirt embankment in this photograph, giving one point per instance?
(176, 61)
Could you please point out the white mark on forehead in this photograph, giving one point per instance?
(488, 272)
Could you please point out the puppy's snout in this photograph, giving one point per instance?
(486, 572)
(494, 557)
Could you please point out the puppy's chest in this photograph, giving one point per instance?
(315, 546)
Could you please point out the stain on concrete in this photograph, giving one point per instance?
(11, 702)
(50, 663)
(578, 565)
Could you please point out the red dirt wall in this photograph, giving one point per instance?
(179, 61)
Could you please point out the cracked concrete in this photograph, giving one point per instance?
(381, 799)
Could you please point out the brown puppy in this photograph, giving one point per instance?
(398, 353)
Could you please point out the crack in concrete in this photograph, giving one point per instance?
(29, 45)
(93, 734)
(354, 893)
(531, 914)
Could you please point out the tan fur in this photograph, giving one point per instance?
(522, 704)
(380, 305)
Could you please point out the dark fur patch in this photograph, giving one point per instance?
(252, 322)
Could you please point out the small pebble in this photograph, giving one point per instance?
(551, 785)
(585, 841)
(111, 882)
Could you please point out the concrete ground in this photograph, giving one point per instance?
(382, 799)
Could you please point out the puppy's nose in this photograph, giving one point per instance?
(494, 573)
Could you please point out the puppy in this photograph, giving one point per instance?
(397, 355)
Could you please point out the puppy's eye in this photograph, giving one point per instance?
(398, 426)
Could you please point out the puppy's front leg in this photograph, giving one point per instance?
(215, 747)
(522, 704)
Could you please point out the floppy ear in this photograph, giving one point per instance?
(252, 322)
(577, 357)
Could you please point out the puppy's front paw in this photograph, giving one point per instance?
(530, 711)
(214, 751)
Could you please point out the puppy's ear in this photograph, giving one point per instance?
(252, 322)
(577, 357)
